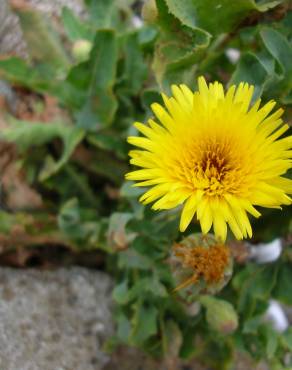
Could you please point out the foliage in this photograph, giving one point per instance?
(78, 163)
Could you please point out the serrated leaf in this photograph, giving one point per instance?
(17, 71)
(226, 15)
(27, 134)
(177, 50)
(70, 140)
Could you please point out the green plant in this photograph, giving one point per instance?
(78, 162)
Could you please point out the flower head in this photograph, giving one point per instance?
(215, 153)
(202, 262)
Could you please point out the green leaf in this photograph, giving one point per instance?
(270, 337)
(124, 327)
(279, 47)
(251, 325)
(98, 106)
(135, 70)
(104, 165)
(225, 17)
(41, 78)
(147, 36)
(27, 134)
(131, 259)
(144, 322)
(283, 289)
(262, 281)
(73, 224)
(146, 285)
(109, 141)
(286, 339)
(115, 14)
(17, 71)
(252, 70)
(101, 12)
(120, 292)
(75, 29)
(69, 217)
(254, 283)
(150, 96)
(177, 50)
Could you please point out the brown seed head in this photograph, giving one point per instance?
(207, 263)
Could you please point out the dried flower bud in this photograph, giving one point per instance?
(202, 264)
(220, 314)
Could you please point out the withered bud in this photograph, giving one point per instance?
(202, 264)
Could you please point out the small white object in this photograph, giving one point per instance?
(276, 316)
(233, 55)
(137, 21)
(264, 253)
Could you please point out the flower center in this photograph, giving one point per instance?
(214, 164)
(212, 167)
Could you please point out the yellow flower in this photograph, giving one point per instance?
(215, 153)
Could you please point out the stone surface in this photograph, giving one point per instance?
(59, 320)
(55, 6)
(54, 320)
(11, 38)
